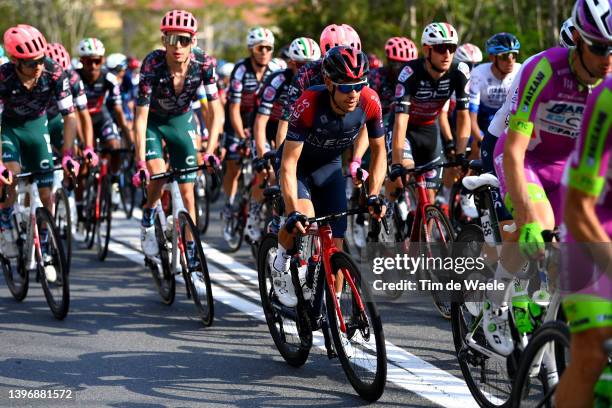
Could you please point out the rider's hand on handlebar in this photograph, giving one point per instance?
(213, 163)
(6, 176)
(358, 177)
(377, 207)
(70, 165)
(91, 156)
(449, 149)
(531, 242)
(141, 172)
(296, 222)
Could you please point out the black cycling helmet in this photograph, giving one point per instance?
(502, 43)
(345, 64)
(284, 53)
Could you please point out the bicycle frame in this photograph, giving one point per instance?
(30, 190)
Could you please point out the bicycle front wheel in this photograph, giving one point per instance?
(104, 222)
(162, 275)
(52, 268)
(63, 222)
(202, 204)
(361, 347)
(89, 210)
(195, 271)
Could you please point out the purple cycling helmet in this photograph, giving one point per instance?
(593, 20)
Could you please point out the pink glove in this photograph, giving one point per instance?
(141, 167)
(8, 177)
(215, 160)
(233, 147)
(354, 166)
(90, 155)
(69, 165)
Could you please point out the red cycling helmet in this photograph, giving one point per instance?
(374, 61)
(24, 41)
(133, 63)
(58, 53)
(179, 20)
(334, 35)
(401, 49)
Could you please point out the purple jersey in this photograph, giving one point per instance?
(309, 75)
(78, 94)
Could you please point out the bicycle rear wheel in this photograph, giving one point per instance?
(163, 276)
(202, 204)
(127, 192)
(196, 275)
(63, 222)
(361, 348)
(104, 222)
(283, 328)
(16, 276)
(89, 210)
(52, 268)
(542, 363)
(235, 226)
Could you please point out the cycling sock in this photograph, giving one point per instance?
(147, 217)
(281, 261)
(5, 218)
(498, 297)
(230, 199)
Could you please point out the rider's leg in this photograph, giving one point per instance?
(115, 159)
(230, 179)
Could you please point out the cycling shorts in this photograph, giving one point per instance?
(28, 143)
(543, 179)
(104, 128)
(486, 155)
(424, 146)
(180, 134)
(56, 130)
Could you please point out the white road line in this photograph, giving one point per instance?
(405, 369)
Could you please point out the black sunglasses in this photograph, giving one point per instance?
(92, 61)
(442, 48)
(348, 88)
(263, 48)
(33, 63)
(506, 56)
(174, 39)
(599, 49)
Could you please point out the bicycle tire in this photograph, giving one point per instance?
(443, 229)
(214, 189)
(204, 304)
(164, 281)
(202, 206)
(294, 353)
(16, 276)
(371, 388)
(89, 210)
(127, 192)
(553, 331)
(63, 222)
(104, 222)
(237, 223)
(54, 258)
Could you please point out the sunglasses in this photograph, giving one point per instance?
(92, 61)
(348, 88)
(174, 39)
(33, 63)
(442, 48)
(600, 49)
(263, 48)
(506, 56)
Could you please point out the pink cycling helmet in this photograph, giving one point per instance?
(334, 35)
(179, 20)
(24, 41)
(401, 49)
(58, 53)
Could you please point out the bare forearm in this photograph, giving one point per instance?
(140, 128)
(216, 114)
(378, 167)
(236, 120)
(516, 183)
(281, 132)
(399, 136)
(70, 126)
(86, 128)
(474, 124)
(463, 130)
(259, 133)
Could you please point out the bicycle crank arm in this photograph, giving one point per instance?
(471, 343)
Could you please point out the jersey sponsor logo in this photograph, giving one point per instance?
(532, 90)
(269, 93)
(594, 136)
(566, 108)
(65, 84)
(399, 91)
(300, 107)
(239, 73)
(236, 85)
(330, 143)
(278, 80)
(564, 118)
(405, 74)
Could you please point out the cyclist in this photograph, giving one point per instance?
(116, 64)
(326, 121)
(424, 86)
(58, 53)
(246, 80)
(129, 88)
(272, 98)
(470, 54)
(543, 126)
(169, 79)
(374, 61)
(27, 85)
(224, 72)
(588, 219)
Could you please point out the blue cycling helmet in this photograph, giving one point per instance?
(501, 43)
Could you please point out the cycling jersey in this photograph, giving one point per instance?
(380, 81)
(549, 108)
(274, 93)
(310, 74)
(156, 86)
(590, 171)
(105, 86)
(487, 93)
(422, 97)
(56, 123)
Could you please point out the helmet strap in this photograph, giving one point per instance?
(438, 70)
(581, 57)
(333, 100)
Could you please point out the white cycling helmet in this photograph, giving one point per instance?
(566, 34)
(439, 33)
(468, 53)
(259, 35)
(91, 47)
(277, 64)
(304, 49)
(225, 70)
(116, 62)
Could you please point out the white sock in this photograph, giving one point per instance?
(498, 297)
(282, 260)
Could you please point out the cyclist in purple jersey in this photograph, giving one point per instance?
(326, 121)
(588, 220)
(543, 127)
(246, 80)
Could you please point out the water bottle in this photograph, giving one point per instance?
(169, 226)
(402, 209)
(603, 389)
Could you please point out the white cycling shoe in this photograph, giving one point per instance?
(468, 207)
(253, 230)
(283, 287)
(8, 244)
(148, 241)
(496, 330)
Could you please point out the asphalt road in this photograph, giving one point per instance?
(121, 347)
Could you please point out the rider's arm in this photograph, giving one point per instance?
(445, 128)
(234, 99)
(463, 130)
(476, 132)
(281, 132)
(475, 104)
(361, 144)
(259, 133)
(123, 123)
(140, 131)
(376, 132)
(65, 105)
(236, 119)
(463, 117)
(216, 123)
(403, 90)
(86, 127)
(291, 154)
(400, 126)
(514, 169)
(70, 127)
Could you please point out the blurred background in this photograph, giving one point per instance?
(132, 26)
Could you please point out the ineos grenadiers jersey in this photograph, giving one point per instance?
(422, 97)
(550, 105)
(380, 81)
(273, 94)
(487, 93)
(590, 165)
(19, 104)
(78, 94)
(309, 75)
(156, 85)
(326, 134)
(105, 86)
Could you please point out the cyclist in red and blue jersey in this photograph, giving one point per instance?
(272, 97)
(326, 120)
(531, 154)
(27, 85)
